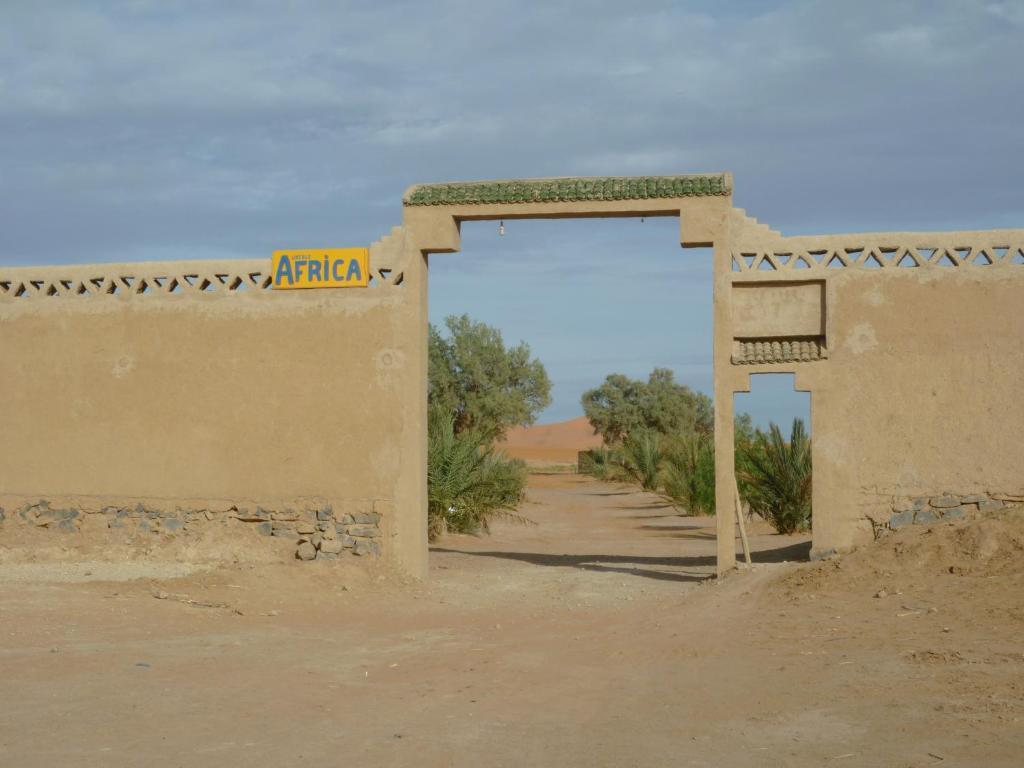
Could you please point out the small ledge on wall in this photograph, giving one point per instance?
(779, 350)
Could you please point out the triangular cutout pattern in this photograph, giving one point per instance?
(1018, 257)
(907, 261)
(801, 263)
(872, 262)
(945, 261)
(783, 258)
(749, 259)
(981, 259)
(736, 265)
(835, 262)
(765, 264)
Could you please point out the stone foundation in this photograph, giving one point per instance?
(319, 531)
(923, 510)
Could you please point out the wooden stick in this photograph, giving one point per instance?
(743, 527)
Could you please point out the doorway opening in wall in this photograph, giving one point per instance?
(576, 448)
(773, 461)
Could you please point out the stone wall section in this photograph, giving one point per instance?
(320, 531)
(924, 510)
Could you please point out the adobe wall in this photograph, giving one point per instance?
(168, 396)
(914, 368)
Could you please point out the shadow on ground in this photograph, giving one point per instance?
(639, 565)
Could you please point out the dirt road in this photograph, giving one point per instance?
(592, 638)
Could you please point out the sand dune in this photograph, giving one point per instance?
(556, 443)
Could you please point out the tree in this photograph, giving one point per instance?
(622, 405)
(468, 482)
(484, 385)
(775, 477)
(688, 474)
(641, 458)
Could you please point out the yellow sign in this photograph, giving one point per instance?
(322, 268)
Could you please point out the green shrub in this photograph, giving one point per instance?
(601, 463)
(641, 458)
(775, 477)
(688, 474)
(468, 483)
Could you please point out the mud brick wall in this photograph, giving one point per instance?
(140, 391)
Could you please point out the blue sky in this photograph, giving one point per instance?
(150, 130)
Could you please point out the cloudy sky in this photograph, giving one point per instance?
(161, 130)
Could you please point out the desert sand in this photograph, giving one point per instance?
(594, 637)
(555, 443)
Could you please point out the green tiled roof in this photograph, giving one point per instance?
(568, 190)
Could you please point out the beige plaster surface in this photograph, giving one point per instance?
(203, 398)
(781, 309)
(919, 393)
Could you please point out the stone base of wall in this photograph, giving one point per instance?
(319, 531)
(923, 510)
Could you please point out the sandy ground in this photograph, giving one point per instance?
(556, 443)
(592, 638)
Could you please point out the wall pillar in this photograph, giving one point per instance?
(725, 461)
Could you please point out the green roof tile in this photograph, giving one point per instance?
(567, 190)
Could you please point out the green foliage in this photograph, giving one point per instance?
(468, 483)
(775, 477)
(641, 458)
(622, 405)
(602, 464)
(688, 474)
(485, 385)
(743, 429)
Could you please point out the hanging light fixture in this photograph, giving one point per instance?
(501, 228)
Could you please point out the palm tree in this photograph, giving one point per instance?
(468, 483)
(641, 458)
(688, 474)
(775, 477)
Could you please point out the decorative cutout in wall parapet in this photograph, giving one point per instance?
(152, 279)
(137, 283)
(876, 257)
(766, 351)
(568, 190)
